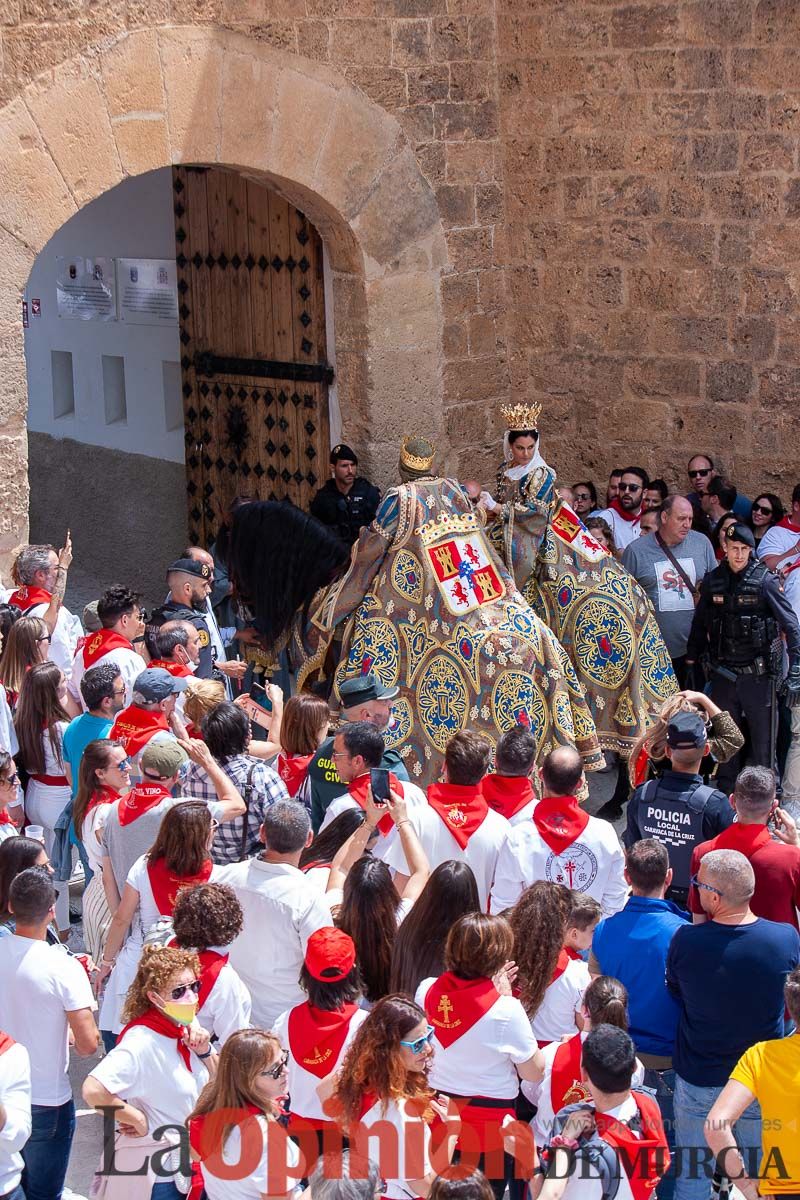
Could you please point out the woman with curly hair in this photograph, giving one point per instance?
(179, 857)
(483, 1043)
(206, 919)
(154, 1075)
(40, 721)
(648, 754)
(605, 1002)
(235, 1121)
(450, 893)
(104, 775)
(384, 1078)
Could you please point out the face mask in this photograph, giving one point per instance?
(182, 1013)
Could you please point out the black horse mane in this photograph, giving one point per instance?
(279, 557)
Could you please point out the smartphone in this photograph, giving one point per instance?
(266, 702)
(379, 782)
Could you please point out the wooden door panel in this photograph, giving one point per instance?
(252, 307)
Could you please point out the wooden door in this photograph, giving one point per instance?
(253, 348)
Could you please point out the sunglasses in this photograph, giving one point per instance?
(701, 471)
(630, 487)
(47, 638)
(280, 1066)
(759, 508)
(705, 887)
(185, 988)
(582, 496)
(419, 1045)
(10, 780)
(124, 765)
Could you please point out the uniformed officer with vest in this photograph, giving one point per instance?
(347, 502)
(679, 809)
(363, 699)
(189, 583)
(737, 624)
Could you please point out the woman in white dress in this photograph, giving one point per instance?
(40, 720)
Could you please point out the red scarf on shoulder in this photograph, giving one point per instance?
(139, 800)
(28, 597)
(165, 884)
(565, 1077)
(566, 955)
(178, 669)
(358, 790)
(293, 769)
(316, 1037)
(644, 1159)
(507, 794)
(630, 517)
(6, 1042)
(786, 523)
(103, 642)
(102, 795)
(560, 821)
(744, 838)
(135, 726)
(453, 1005)
(211, 1146)
(463, 809)
(160, 1023)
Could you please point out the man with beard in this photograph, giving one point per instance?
(189, 583)
(625, 509)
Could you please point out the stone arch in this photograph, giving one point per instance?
(208, 96)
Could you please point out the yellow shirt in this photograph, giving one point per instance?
(771, 1070)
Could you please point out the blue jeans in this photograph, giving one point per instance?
(165, 1190)
(46, 1152)
(695, 1162)
(662, 1085)
(16, 1194)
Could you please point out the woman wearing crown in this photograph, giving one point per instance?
(594, 607)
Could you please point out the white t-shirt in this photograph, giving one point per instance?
(280, 913)
(414, 797)
(480, 853)
(128, 663)
(8, 734)
(555, 1016)
(624, 531)
(257, 1184)
(779, 540)
(65, 636)
(147, 1070)
(482, 1061)
(15, 1097)
(593, 863)
(413, 1150)
(39, 985)
(303, 1084)
(227, 1008)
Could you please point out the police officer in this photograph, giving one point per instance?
(738, 620)
(679, 809)
(346, 502)
(363, 699)
(189, 583)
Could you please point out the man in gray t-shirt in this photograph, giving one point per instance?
(650, 565)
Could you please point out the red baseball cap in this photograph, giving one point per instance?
(330, 955)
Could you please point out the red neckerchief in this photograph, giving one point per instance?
(786, 523)
(193, 732)
(159, 1023)
(368, 1101)
(454, 1005)
(316, 1037)
(197, 1128)
(358, 790)
(165, 884)
(6, 1042)
(631, 518)
(29, 597)
(178, 669)
(640, 769)
(566, 955)
(744, 838)
(139, 800)
(507, 794)
(101, 643)
(135, 726)
(101, 795)
(5, 819)
(648, 1151)
(463, 809)
(565, 1076)
(292, 769)
(560, 821)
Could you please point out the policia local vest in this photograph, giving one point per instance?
(676, 820)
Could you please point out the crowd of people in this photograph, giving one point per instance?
(291, 966)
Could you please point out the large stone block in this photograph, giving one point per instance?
(745, 198)
(770, 291)
(685, 243)
(361, 40)
(34, 199)
(142, 143)
(345, 177)
(475, 380)
(667, 377)
(769, 152)
(404, 311)
(304, 110)
(192, 72)
(725, 22)
(630, 196)
(691, 335)
(645, 25)
(71, 113)
(14, 509)
(411, 43)
(753, 338)
(17, 260)
(714, 152)
(249, 99)
(132, 76)
(407, 388)
(731, 382)
(403, 194)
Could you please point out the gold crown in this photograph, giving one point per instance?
(521, 416)
(448, 525)
(414, 461)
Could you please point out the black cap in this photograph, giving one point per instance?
(342, 453)
(686, 731)
(190, 566)
(740, 533)
(364, 688)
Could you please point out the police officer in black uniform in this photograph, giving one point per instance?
(189, 583)
(739, 618)
(347, 502)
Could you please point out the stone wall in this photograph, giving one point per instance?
(618, 186)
